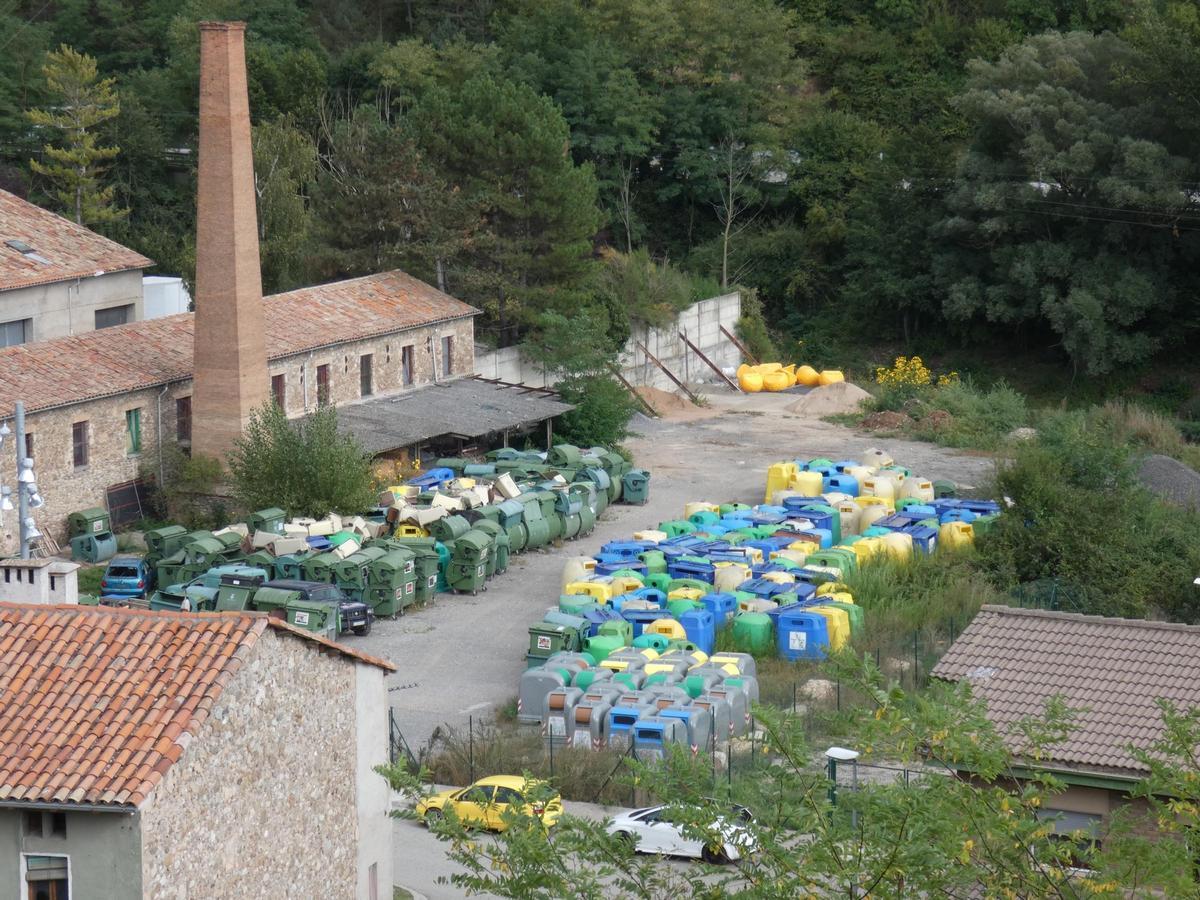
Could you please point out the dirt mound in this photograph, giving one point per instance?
(829, 400)
(664, 402)
(938, 420)
(1171, 480)
(885, 421)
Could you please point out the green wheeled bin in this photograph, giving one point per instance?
(165, 541)
(427, 561)
(449, 528)
(548, 638)
(569, 507)
(512, 520)
(498, 558)
(317, 616)
(353, 573)
(319, 567)
(273, 600)
(466, 577)
(546, 500)
(585, 493)
(561, 455)
(537, 528)
(392, 582)
(270, 519)
(636, 486)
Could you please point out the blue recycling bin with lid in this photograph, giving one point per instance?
(761, 587)
(843, 464)
(654, 595)
(598, 616)
(609, 568)
(958, 515)
(626, 549)
(842, 484)
(641, 618)
(723, 607)
(924, 537)
(700, 626)
(801, 634)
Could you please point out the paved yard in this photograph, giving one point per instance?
(463, 655)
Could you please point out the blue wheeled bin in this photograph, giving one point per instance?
(701, 629)
(640, 618)
(801, 635)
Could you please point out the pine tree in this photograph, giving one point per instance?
(82, 101)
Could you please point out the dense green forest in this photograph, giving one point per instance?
(979, 172)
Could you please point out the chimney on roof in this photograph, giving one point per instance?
(229, 354)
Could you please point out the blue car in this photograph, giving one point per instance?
(127, 576)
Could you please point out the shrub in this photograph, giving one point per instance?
(978, 418)
(601, 414)
(188, 486)
(306, 466)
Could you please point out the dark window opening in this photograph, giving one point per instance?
(183, 420)
(114, 315)
(29, 445)
(406, 365)
(33, 823)
(79, 444)
(365, 365)
(447, 355)
(322, 385)
(13, 333)
(58, 824)
(279, 390)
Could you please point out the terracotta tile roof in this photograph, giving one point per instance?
(158, 351)
(1114, 669)
(59, 249)
(96, 704)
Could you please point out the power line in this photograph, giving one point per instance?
(25, 24)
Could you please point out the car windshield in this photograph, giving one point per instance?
(122, 572)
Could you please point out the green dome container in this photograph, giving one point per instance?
(682, 644)
(820, 462)
(984, 524)
(629, 573)
(584, 678)
(656, 563)
(854, 613)
(658, 678)
(656, 642)
(678, 607)
(601, 645)
(905, 502)
(676, 527)
(728, 508)
(703, 586)
(944, 489)
(658, 580)
(703, 518)
(753, 633)
(628, 680)
(576, 604)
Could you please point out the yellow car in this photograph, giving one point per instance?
(484, 803)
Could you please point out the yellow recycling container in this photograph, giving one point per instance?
(577, 568)
(796, 556)
(690, 509)
(750, 382)
(840, 597)
(831, 376)
(838, 622)
(727, 576)
(898, 545)
(850, 512)
(881, 487)
(917, 489)
(807, 483)
(860, 473)
(777, 381)
(877, 458)
(656, 537)
(685, 593)
(625, 584)
(807, 376)
(866, 550)
(669, 628)
(830, 587)
(955, 535)
(780, 577)
(600, 591)
(779, 475)
(872, 514)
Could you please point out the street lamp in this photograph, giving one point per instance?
(837, 755)
(28, 496)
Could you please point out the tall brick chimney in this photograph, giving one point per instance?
(229, 357)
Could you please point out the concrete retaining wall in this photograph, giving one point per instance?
(701, 322)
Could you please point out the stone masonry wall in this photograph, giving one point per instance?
(67, 488)
(262, 802)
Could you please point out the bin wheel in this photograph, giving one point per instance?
(432, 817)
(362, 629)
(714, 856)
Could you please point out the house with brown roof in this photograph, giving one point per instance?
(1111, 672)
(101, 406)
(58, 278)
(150, 754)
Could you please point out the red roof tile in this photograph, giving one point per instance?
(97, 703)
(1114, 670)
(154, 352)
(59, 249)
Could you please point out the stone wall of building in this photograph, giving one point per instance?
(67, 488)
(262, 802)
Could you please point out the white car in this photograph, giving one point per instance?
(651, 830)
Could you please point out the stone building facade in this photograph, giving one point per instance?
(100, 407)
(241, 763)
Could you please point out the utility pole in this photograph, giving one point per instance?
(22, 499)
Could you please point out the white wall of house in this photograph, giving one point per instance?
(63, 308)
(374, 795)
(39, 581)
(701, 322)
(164, 295)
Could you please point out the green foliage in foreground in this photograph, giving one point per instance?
(303, 466)
(934, 835)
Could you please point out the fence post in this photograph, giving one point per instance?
(551, 739)
(471, 746)
(916, 661)
(729, 762)
(839, 694)
(793, 698)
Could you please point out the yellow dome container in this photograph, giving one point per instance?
(764, 368)
(727, 576)
(750, 382)
(600, 591)
(753, 554)
(790, 371)
(796, 556)
(955, 535)
(896, 478)
(779, 477)
(625, 584)
(917, 489)
(838, 622)
(877, 458)
(690, 509)
(841, 597)
(833, 498)
(777, 381)
(780, 577)
(831, 376)
(669, 628)
(807, 483)
(807, 376)
(859, 473)
(872, 514)
(830, 587)
(866, 550)
(899, 546)
(850, 513)
(576, 568)
(656, 537)
(756, 604)
(880, 487)
(685, 594)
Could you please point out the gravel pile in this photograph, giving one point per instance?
(1171, 480)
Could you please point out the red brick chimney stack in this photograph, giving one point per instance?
(230, 353)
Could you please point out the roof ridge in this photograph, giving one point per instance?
(1115, 621)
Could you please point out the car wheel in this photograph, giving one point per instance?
(432, 817)
(362, 629)
(626, 840)
(714, 856)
